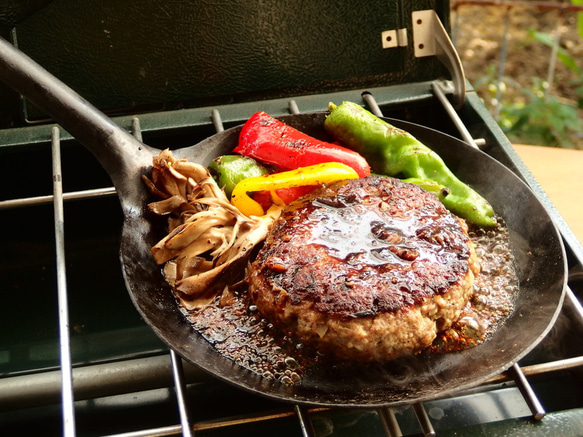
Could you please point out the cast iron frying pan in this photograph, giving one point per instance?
(540, 258)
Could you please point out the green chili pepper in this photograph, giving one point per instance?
(394, 152)
(433, 187)
(229, 170)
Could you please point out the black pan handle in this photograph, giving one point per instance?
(116, 149)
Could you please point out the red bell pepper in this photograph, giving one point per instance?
(288, 195)
(285, 195)
(263, 198)
(273, 142)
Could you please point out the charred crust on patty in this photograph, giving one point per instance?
(366, 269)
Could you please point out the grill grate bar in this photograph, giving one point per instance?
(424, 420)
(178, 373)
(217, 120)
(49, 198)
(389, 422)
(438, 88)
(154, 372)
(247, 419)
(293, 107)
(64, 341)
(576, 305)
(303, 415)
(372, 104)
(117, 377)
(136, 129)
(153, 432)
(538, 412)
(541, 369)
(553, 366)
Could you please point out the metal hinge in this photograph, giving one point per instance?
(394, 38)
(431, 39)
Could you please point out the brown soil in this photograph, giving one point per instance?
(478, 33)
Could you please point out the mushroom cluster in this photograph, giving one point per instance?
(208, 238)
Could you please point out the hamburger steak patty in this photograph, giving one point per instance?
(365, 269)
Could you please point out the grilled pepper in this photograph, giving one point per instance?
(433, 187)
(394, 152)
(273, 142)
(312, 175)
(229, 170)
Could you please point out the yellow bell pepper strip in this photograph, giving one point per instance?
(312, 175)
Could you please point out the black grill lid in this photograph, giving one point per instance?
(156, 55)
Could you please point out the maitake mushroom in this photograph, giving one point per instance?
(207, 234)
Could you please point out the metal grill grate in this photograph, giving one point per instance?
(88, 383)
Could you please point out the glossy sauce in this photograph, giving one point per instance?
(233, 326)
(364, 247)
(495, 291)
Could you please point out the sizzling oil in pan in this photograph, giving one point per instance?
(233, 326)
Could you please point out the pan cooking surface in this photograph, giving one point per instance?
(539, 257)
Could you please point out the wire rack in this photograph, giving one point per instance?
(71, 385)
